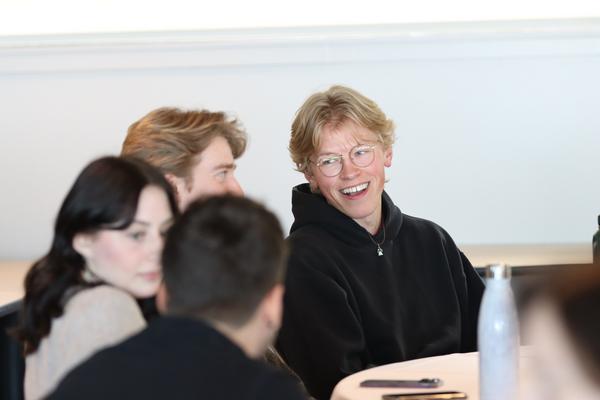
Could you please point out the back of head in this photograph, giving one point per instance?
(104, 196)
(171, 139)
(221, 258)
(577, 298)
(562, 323)
(336, 105)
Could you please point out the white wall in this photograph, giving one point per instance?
(497, 123)
(26, 17)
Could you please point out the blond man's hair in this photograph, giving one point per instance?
(332, 108)
(171, 139)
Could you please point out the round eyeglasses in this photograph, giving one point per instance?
(361, 155)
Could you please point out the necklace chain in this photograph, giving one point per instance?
(379, 249)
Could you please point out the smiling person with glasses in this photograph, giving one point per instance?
(367, 284)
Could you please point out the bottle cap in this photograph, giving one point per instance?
(497, 271)
(598, 220)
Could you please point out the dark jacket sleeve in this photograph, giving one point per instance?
(280, 386)
(474, 293)
(469, 287)
(321, 336)
(76, 385)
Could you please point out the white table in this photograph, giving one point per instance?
(528, 255)
(458, 372)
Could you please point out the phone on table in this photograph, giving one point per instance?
(402, 383)
(426, 396)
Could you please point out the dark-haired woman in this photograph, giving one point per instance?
(81, 296)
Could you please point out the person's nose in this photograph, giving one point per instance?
(156, 247)
(349, 170)
(234, 187)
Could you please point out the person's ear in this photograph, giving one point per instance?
(178, 184)
(310, 178)
(162, 298)
(308, 175)
(272, 307)
(82, 243)
(387, 157)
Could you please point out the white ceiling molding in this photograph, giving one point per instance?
(277, 46)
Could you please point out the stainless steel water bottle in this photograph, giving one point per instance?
(498, 337)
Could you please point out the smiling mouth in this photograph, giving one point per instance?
(355, 190)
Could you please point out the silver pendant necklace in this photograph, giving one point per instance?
(379, 249)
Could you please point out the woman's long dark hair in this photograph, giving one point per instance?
(105, 194)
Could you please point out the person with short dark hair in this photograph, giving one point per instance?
(223, 267)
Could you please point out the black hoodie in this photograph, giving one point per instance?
(347, 308)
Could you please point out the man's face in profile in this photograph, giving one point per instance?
(213, 174)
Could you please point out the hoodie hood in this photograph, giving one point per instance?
(311, 209)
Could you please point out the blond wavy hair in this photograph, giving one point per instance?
(333, 107)
(171, 138)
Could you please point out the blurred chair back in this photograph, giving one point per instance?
(12, 364)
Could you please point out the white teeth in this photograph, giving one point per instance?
(355, 189)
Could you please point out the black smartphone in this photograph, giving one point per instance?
(425, 396)
(402, 383)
